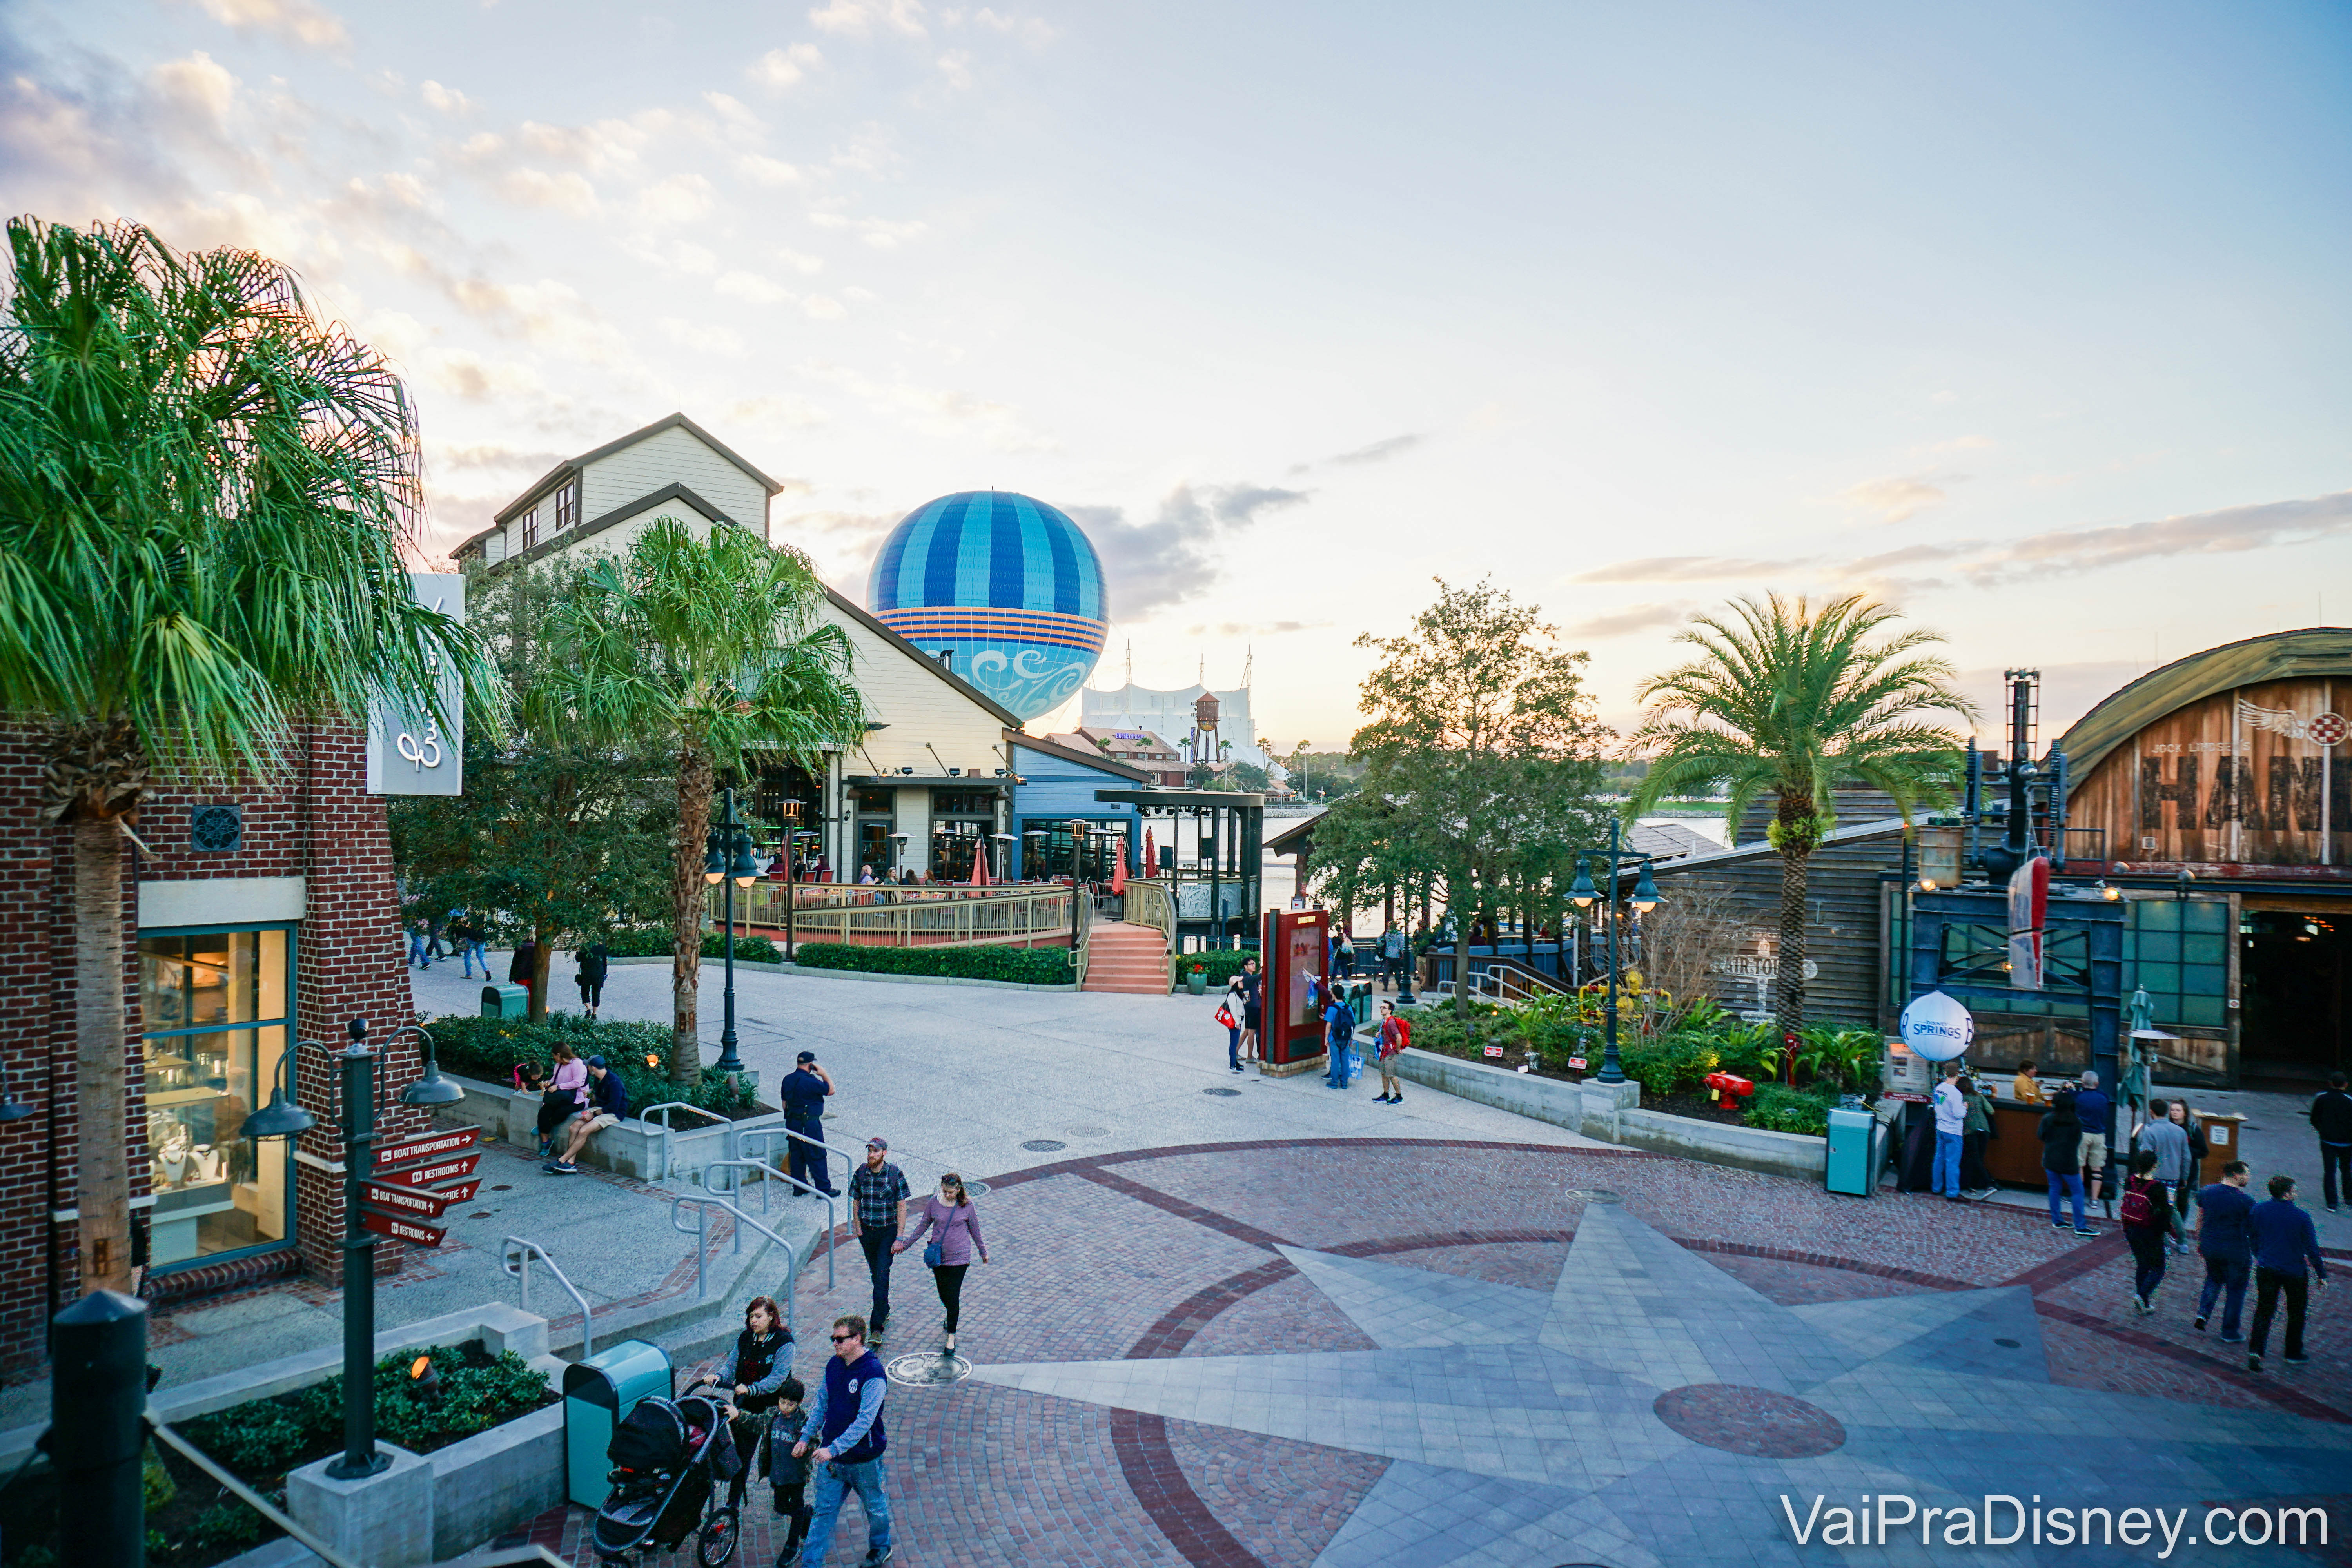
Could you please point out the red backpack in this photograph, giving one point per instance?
(2140, 1207)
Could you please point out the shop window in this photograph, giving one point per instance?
(964, 802)
(217, 1007)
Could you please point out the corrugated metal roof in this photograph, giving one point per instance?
(2313, 651)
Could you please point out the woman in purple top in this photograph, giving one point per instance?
(954, 1224)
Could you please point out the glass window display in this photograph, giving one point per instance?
(218, 1009)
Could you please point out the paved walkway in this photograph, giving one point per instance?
(1438, 1353)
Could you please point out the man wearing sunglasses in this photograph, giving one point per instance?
(847, 1416)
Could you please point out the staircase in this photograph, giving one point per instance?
(1130, 958)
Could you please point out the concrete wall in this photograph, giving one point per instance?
(497, 1480)
(627, 1149)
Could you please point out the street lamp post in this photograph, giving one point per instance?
(727, 860)
(1645, 898)
(357, 1062)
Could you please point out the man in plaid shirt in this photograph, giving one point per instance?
(877, 1204)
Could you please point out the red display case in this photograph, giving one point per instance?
(1296, 947)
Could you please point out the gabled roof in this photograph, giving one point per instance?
(1095, 759)
(571, 467)
(618, 514)
(2313, 651)
(857, 613)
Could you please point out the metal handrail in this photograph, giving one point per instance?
(514, 1257)
(647, 1125)
(700, 1231)
(771, 1174)
(243, 1493)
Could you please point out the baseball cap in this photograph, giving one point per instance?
(595, 1061)
(808, 1056)
(878, 1143)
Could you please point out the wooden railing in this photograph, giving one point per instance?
(931, 915)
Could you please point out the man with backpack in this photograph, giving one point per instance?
(848, 1441)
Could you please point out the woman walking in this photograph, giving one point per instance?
(2148, 1219)
(954, 1225)
(1395, 1035)
(1253, 998)
(595, 963)
(749, 1382)
(566, 1092)
(2062, 1158)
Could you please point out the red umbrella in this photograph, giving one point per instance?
(980, 863)
(1119, 877)
(1150, 860)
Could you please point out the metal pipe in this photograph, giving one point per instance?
(1611, 1070)
(514, 1257)
(360, 1458)
(98, 1382)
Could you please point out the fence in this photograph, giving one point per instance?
(928, 916)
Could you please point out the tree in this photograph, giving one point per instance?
(204, 497)
(1786, 700)
(1483, 748)
(567, 840)
(710, 650)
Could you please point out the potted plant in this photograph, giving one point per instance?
(1198, 980)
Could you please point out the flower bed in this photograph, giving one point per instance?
(190, 1524)
(1221, 965)
(490, 1050)
(1020, 966)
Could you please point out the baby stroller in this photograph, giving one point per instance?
(666, 1457)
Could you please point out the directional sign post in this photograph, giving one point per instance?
(426, 1147)
(418, 1202)
(402, 1229)
(426, 1175)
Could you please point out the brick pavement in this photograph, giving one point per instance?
(1153, 1257)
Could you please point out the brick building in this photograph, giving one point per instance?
(256, 915)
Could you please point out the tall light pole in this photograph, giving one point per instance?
(1645, 898)
(726, 858)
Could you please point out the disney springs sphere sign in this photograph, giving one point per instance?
(1936, 1028)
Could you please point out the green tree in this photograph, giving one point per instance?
(710, 651)
(566, 841)
(204, 497)
(1785, 700)
(1483, 746)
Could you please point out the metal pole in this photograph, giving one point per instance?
(97, 1383)
(359, 1456)
(728, 1061)
(792, 885)
(1611, 1071)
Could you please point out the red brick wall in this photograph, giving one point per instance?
(317, 821)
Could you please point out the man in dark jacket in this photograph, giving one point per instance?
(2285, 1241)
(848, 1442)
(802, 1094)
(2331, 1118)
(608, 1102)
(2225, 1239)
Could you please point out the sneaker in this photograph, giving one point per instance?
(2331, 1208)
(2254, 1364)
(2060, 1225)
(2084, 1230)
(2234, 1339)
(2295, 1360)
(877, 1555)
(2199, 1324)
(565, 1168)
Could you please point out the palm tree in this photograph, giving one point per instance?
(710, 650)
(1788, 701)
(205, 499)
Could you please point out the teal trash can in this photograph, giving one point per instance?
(1359, 998)
(598, 1394)
(1851, 1136)
(506, 1001)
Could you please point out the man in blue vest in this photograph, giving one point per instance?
(846, 1417)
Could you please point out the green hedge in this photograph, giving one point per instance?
(1780, 1109)
(1022, 966)
(1221, 965)
(491, 1048)
(261, 1439)
(655, 942)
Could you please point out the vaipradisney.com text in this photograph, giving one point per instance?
(2000, 1519)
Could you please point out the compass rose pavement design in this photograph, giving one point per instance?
(1650, 1409)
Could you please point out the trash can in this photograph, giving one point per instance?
(1359, 998)
(1852, 1138)
(506, 1001)
(598, 1394)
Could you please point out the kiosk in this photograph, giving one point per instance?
(1297, 946)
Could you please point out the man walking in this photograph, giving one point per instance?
(2331, 1118)
(1951, 1119)
(1392, 956)
(845, 1417)
(2169, 1140)
(802, 1093)
(877, 1206)
(2284, 1240)
(1338, 1029)
(2225, 1239)
(2095, 1109)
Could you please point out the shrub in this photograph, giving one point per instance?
(491, 1048)
(1780, 1109)
(260, 1438)
(1022, 966)
(656, 943)
(227, 1524)
(1221, 965)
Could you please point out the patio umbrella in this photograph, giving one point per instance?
(1119, 877)
(1151, 859)
(979, 864)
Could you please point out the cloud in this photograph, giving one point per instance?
(568, 192)
(2231, 531)
(681, 199)
(797, 412)
(882, 234)
(1176, 554)
(703, 338)
(1633, 618)
(1895, 500)
(493, 456)
(1035, 31)
(780, 68)
(857, 19)
(1378, 452)
(1259, 629)
(1686, 569)
(446, 99)
(302, 22)
(956, 67)
(750, 286)
(807, 266)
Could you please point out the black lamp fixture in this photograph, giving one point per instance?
(728, 858)
(1645, 898)
(2180, 885)
(432, 1088)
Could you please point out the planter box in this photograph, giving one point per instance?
(1611, 1114)
(630, 1149)
(497, 1480)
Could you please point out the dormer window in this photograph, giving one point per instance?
(567, 506)
(530, 528)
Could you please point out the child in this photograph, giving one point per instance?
(788, 1474)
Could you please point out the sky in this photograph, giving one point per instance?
(2029, 319)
